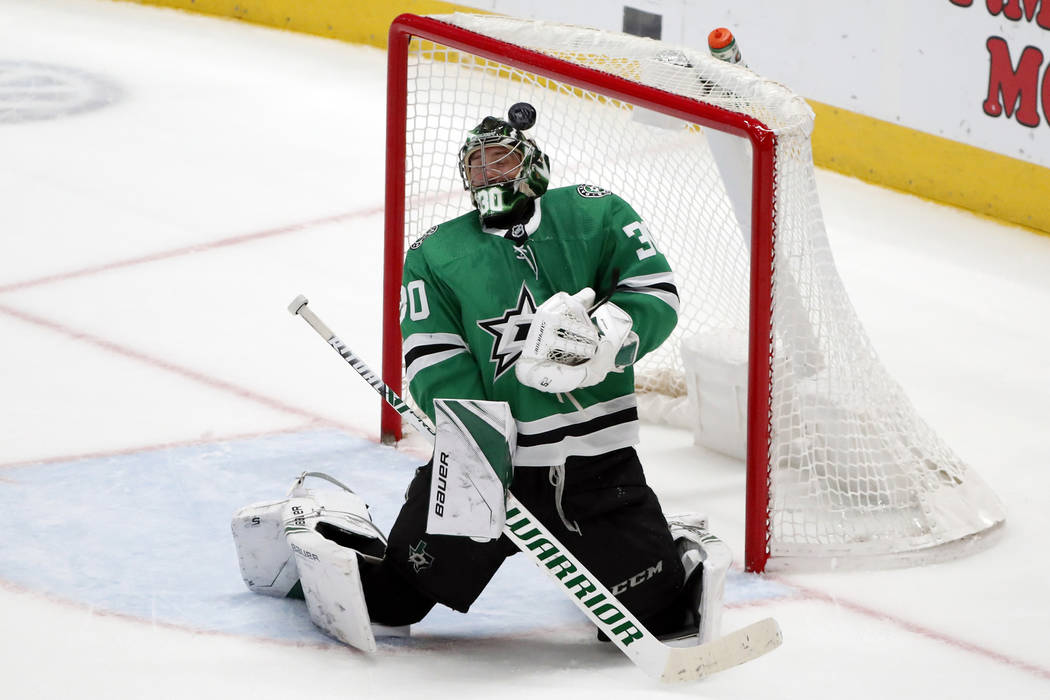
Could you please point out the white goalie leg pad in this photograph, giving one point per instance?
(472, 470)
(330, 532)
(331, 581)
(267, 564)
(699, 547)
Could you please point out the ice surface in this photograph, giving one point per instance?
(195, 176)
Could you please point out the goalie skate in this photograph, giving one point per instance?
(706, 559)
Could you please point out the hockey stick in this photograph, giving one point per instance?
(614, 279)
(667, 663)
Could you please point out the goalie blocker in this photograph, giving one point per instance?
(472, 468)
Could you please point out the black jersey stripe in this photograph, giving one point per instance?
(550, 437)
(667, 287)
(424, 350)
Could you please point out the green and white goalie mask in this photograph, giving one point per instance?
(503, 169)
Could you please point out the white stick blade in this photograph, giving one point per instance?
(743, 645)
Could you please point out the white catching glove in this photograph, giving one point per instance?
(566, 348)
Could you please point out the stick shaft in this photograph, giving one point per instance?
(299, 307)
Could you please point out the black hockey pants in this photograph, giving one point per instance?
(623, 540)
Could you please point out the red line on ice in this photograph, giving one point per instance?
(184, 372)
(103, 454)
(915, 628)
(186, 250)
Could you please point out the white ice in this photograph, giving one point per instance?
(152, 381)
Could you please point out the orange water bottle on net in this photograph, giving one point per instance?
(723, 45)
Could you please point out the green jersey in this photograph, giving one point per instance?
(469, 294)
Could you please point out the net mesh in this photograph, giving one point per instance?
(853, 470)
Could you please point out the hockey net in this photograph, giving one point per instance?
(840, 466)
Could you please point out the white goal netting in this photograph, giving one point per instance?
(851, 469)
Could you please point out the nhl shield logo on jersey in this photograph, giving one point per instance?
(509, 331)
(592, 191)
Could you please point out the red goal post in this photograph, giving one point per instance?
(407, 26)
(431, 99)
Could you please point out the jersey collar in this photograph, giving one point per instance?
(529, 226)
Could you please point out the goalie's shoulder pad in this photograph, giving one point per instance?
(592, 191)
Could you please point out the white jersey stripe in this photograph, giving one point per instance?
(596, 443)
(562, 420)
(417, 340)
(648, 280)
(595, 430)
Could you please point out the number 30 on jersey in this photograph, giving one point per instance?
(414, 301)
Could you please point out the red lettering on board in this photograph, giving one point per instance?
(1019, 89)
(1012, 9)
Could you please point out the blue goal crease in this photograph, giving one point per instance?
(148, 535)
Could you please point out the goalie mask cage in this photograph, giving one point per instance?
(840, 468)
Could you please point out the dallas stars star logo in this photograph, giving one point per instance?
(509, 331)
(418, 557)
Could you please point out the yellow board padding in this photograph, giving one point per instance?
(356, 21)
(870, 149)
(931, 166)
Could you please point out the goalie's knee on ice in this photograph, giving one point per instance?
(392, 600)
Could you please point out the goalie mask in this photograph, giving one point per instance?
(503, 169)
